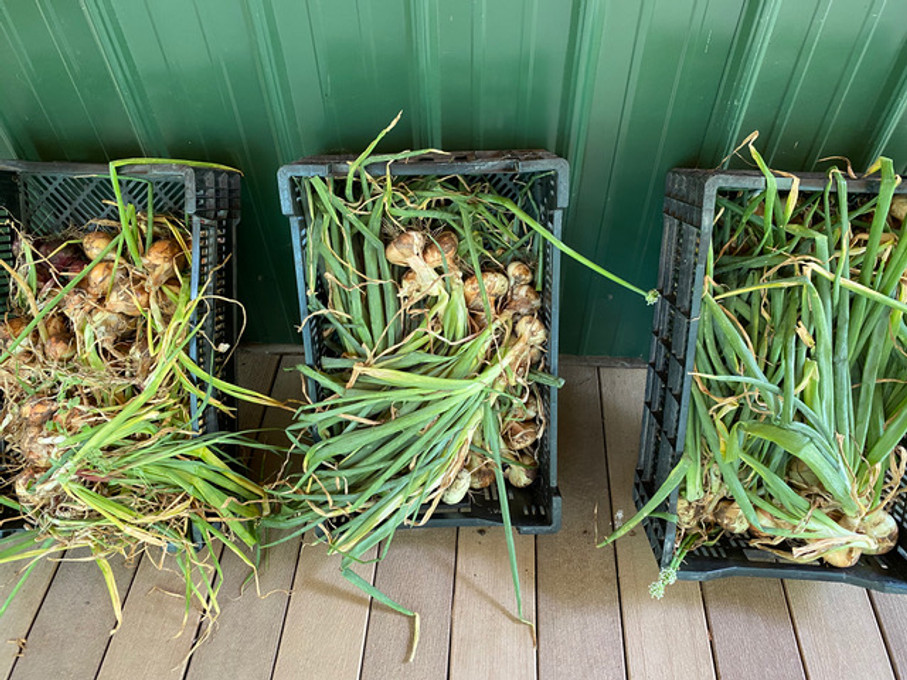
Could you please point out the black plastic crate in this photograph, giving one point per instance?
(537, 508)
(46, 198)
(689, 213)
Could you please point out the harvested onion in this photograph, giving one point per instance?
(94, 242)
(163, 259)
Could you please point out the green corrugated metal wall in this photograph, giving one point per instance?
(625, 90)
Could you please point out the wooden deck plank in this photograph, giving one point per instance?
(287, 385)
(324, 630)
(665, 638)
(246, 635)
(71, 632)
(891, 613)
(157, 632)
(751, 628)
(857, 651)
(255, 371)
(418, 572)
(244, 640)
(19, 617)
(578, 600)
(486, 637)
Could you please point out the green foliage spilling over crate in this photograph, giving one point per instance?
(693, 211)
(537, 182)
(46, 199)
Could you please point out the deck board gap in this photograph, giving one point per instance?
(708, 630)
(793, 625)
(609, 515)
(266, 388)
(286, 608)
(123, 598)
(37, 611)
(884, 633)
(453, 594)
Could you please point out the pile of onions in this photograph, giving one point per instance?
(433, 268)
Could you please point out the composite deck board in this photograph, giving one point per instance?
(255, 371)
(158, 631)
(18, 618)
(418, 573)
(665, 638)
(891, 613)
(837, 630)
(324, 630)
(244, 640)
(486, 638)
(752, 632)
(579, 622)
(72, 629)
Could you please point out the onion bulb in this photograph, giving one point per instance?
(59, 347)
(519, 273)
(843, 557)
(98, 279)
(37, 410)
(524, 474)
(495, 286)
(532, 331)
(442, 250)
(883, 529)
(13, 328)
(526, 409)
(127, 299)
(480, 473)
(458, 489)
(687, 514)
(94, 242)
(164, 258)
(521, 434)
(898, 209)
(404, 248)
(523, 300)
(730, 517)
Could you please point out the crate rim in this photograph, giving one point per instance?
(445, 163)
